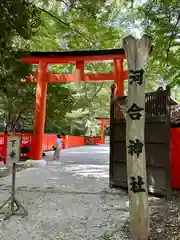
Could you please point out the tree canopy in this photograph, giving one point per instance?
(19, 21)
(81, 25)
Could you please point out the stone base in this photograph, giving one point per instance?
(35, 163)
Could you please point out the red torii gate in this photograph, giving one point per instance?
(103, 125)
(79, 58)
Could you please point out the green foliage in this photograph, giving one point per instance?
(161, 19)
(19, 21)
(78, 26)
(14, 24)
(59, 102)
(81, 25)
(18, 99)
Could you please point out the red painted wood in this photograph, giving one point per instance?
(93, 140)
(91, 77)
(71, 59)
(74, 141)
(119, 77)
(175, 159)
(40, 112)
(79, 76)
(103, 124)
(49, 140)
(43, 59)
(97, 140)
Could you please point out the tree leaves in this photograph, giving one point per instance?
(15, 29)
(81, 25)
(86, 27)
(161, 19)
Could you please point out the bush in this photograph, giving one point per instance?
(25, 149)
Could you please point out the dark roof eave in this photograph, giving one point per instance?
(76, 53)
(173, 101)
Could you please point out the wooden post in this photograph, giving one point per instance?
(40, 112)
(137, 51)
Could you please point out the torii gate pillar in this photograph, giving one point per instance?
(102, 132)
(40, 112)
(119, 77)
(103, 124)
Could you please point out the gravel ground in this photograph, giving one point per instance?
(70, 199)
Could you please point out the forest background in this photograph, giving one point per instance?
(67, 25)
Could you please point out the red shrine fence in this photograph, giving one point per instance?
(48, 141)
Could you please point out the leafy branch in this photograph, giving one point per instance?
(173, 35)
(66, 24)
(96, 93)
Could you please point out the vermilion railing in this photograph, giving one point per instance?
(25, 142)
(48, 142)
(73, 141)
(92, 140)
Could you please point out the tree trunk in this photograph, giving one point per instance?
(137, 53)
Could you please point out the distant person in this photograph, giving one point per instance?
(58, 147)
